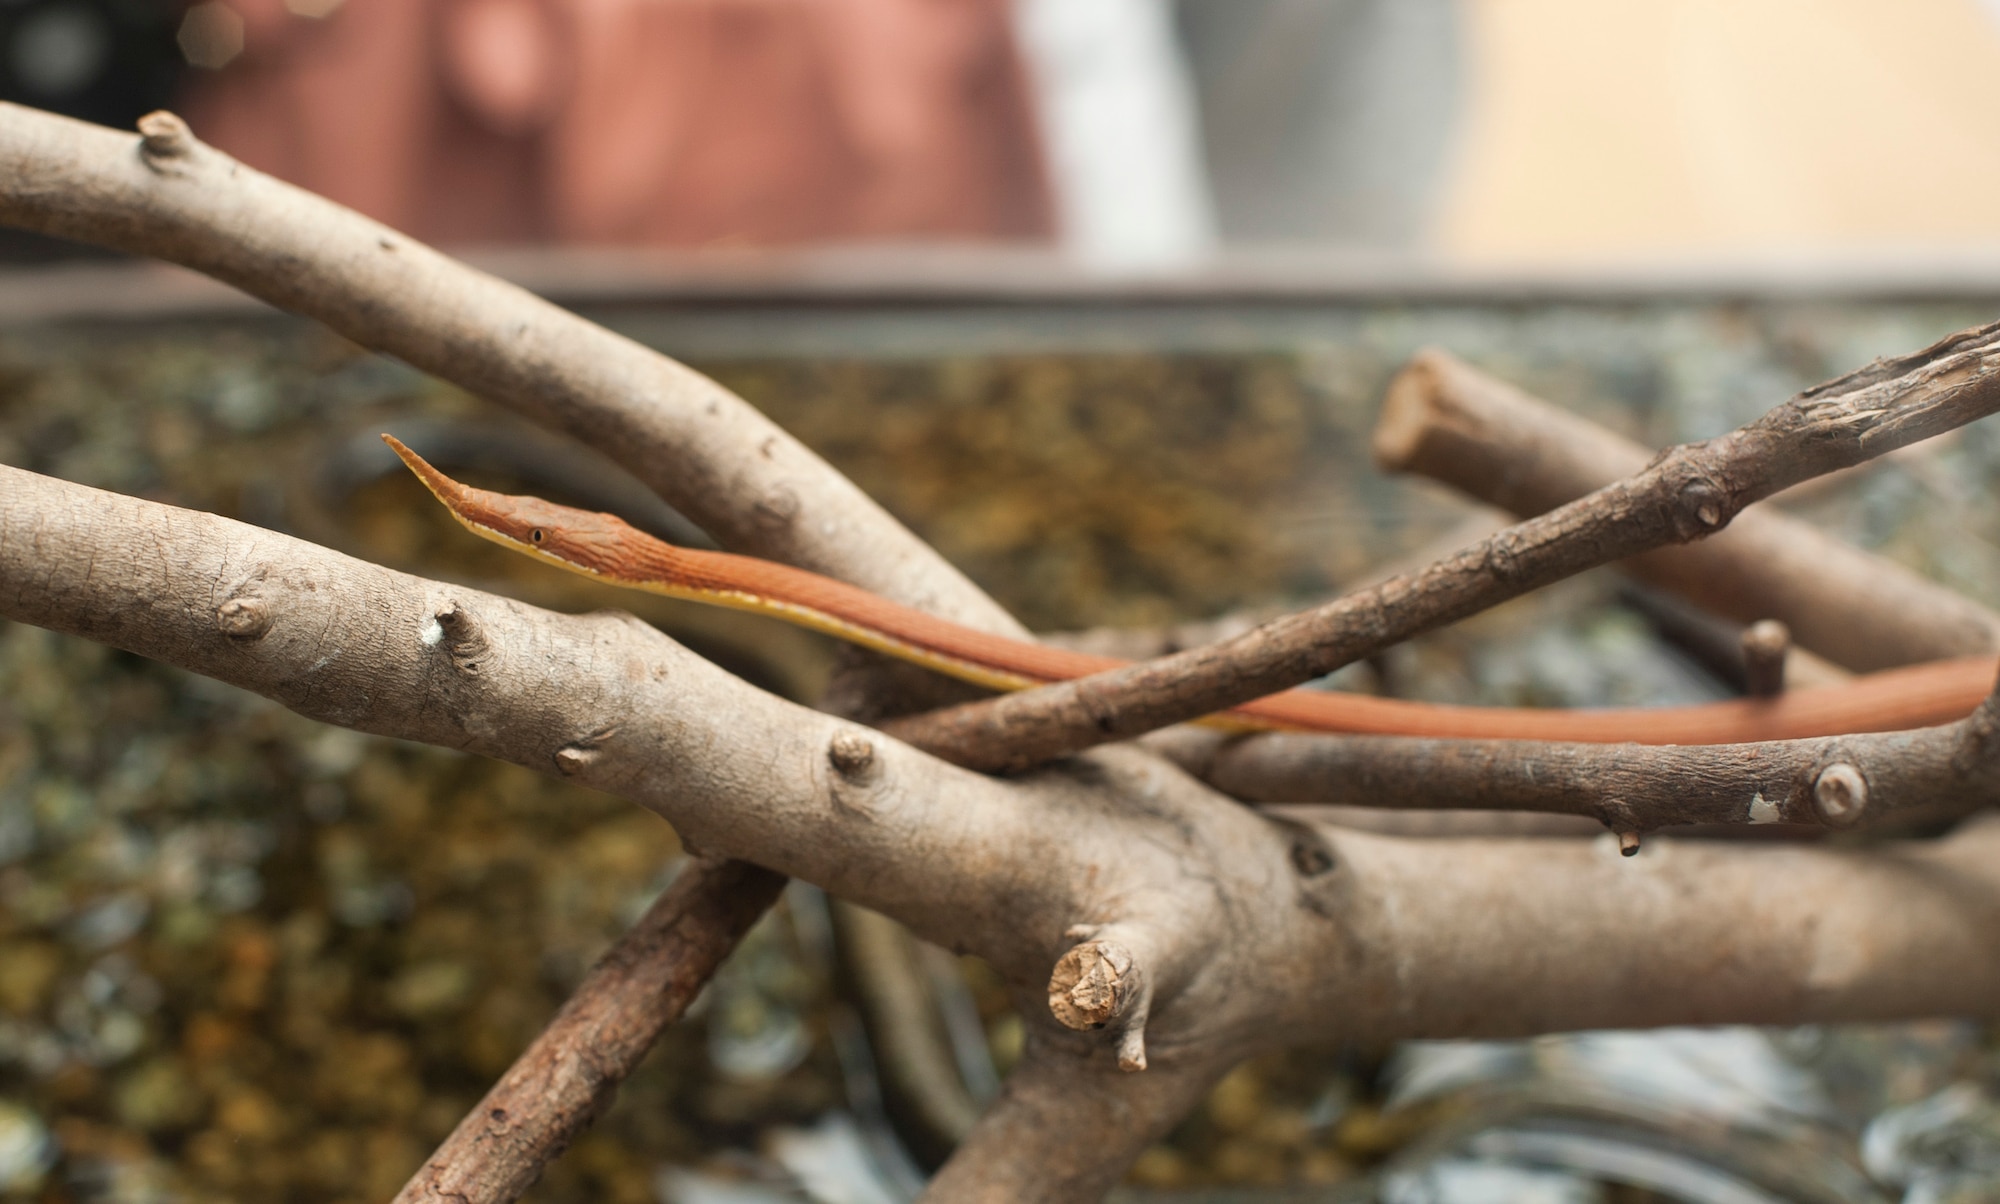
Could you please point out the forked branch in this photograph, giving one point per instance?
(1248, 933)
(1688, 492)
(1452, 423)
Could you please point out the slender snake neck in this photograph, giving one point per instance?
(605, 547)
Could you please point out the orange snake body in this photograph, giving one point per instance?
(605, 547)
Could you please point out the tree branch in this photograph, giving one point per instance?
(1224, 932)
(753, 487)
(1065, 1127)
(1688, 492)
(717, 460)
(1455, 424)
(1838, 781)
(1703, 932)
(571, 1072)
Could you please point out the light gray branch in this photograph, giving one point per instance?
(717, 460)
(1450, 422)
(1686, 493)
(1834, 781)
(1247, 932)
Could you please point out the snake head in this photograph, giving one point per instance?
(583, 541)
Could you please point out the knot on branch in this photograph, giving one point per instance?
(1701, 507)
(463, 637)
(1503, 558)
(777, 509)
(246, 618)
(1840, 795)
(857, 770)
(164, 139)
(578, 755)
(1623, 821)
(852, 756)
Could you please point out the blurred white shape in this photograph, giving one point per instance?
(1121, 131)
(26, 1148)
(1942, 1148)
(831, 1161)
(1667, 1172)
(1470, 1181)
(1730, 1074)
(1423, 1070)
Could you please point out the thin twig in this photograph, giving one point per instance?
(571, 1072)
(750, 484)
(1688, 492)
(755, 488)
(1835, 781)
(1455, 424)
(1767, 646)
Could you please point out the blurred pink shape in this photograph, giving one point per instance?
(670, 122)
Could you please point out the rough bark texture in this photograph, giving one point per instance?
(1455, 424)
(747, 482)
(714, 458)
(1688, 492)
(571, 1072)
(1195, 930)
(1634, 788)
(1252, 932)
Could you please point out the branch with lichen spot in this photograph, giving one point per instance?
(1688, 492)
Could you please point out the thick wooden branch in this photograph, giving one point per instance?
(165, 194)
(1003, 867)
(1707, 932)
(1066, 1126)
(1218, 932)
(751, 485)
(1838, 781)
(1455, 424)
(571, 1072)
(1688, 492)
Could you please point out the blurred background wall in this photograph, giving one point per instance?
(1131, 133)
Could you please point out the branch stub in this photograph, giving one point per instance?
(852, 756)
(1092, 984)
(246, 619)
(163, 136)
(1840, 794)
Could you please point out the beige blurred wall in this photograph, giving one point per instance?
(1619, 129)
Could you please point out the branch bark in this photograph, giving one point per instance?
(1450, 422)
(752, 486)
(1688, 492)
(713, 457)
(1247, 932)
(571, 1072)
(1200, 932)
(1838, 781)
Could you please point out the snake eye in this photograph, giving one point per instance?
(536, 535)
